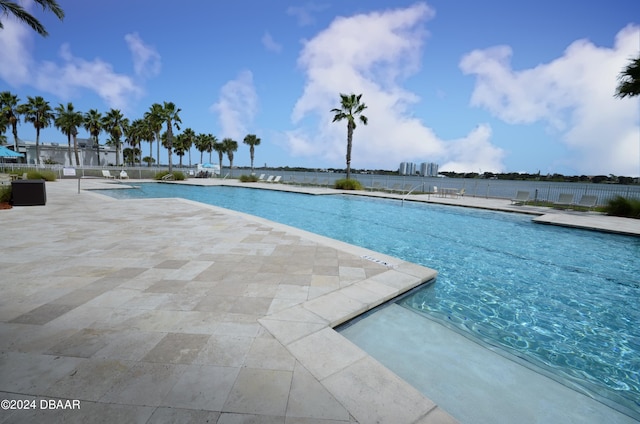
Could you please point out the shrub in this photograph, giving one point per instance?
(176, 176)
(620, 206)
(349, 184)
(5, 194)
(248, 178)
(41, 175)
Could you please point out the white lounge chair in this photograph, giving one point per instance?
(564, 199)
(521, 198)
(107, 174)
(124, 175)
(261, 178)
(269, 179)
(277, 179)
(588, 201)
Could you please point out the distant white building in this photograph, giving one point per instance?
(59, 153)
(429, 169)
(407, 168)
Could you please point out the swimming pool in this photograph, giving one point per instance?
(562, 299)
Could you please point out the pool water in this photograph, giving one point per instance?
(565, 300)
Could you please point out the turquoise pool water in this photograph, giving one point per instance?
(565, 300)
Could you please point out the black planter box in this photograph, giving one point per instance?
(28, 193)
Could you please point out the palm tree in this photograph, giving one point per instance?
(229, 146)
(170, 116)
(115, 124)
(252, 141)
(21, 14)
(220, 149)
(134, 134)
(189, 137)
(37, 111)
(9, 108)
(155, 120)
(179, 146)
(629, 80)
(68, 120)
(202, 144)
(93, 125)
(350, 107)
(212, 140)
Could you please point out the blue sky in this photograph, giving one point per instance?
(475, 86)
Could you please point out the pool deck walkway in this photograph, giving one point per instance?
(168, 310)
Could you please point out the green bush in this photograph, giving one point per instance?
(620, 206)
(176, 176)
(41, 175)
(5, 194)
(349, 184)
(248, 178)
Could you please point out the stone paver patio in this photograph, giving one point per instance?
(166, 311)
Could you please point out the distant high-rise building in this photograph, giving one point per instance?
(429, 169)
(407, 168)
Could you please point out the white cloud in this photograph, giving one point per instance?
(65, 77)
(304, 14)
(15, 60)
(270, 44)
(237, 106)
(146, 60)
(372, 54)
(572, 94)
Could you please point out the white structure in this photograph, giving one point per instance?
(407, 168)
(59, 153)
(429, 169)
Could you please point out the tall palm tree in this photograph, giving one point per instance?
(629, 80)
(134, 135)
(229, 146)
(350, 108)
(212, 140)
(21, 14)
(251, 140)
(154, 117)
(170, 115)
(189, 138)
(68, 120)
(9, 109)
(93, 125)
(115, 124)
(179, 146)
(145, 132)
(37, 111)
(201, 143)
(220, 149)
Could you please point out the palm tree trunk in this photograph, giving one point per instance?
(150, 152)
(75, 150)
(95, 138)
(349, 141)
(69, 143)
(37, 146)
(158, 146)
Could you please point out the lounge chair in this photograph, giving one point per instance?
(124, 175)
(270, 179)
(588, 201)
(261, 177)
(277, 179)
(564, 199)
(107, 174)
(522, 197)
